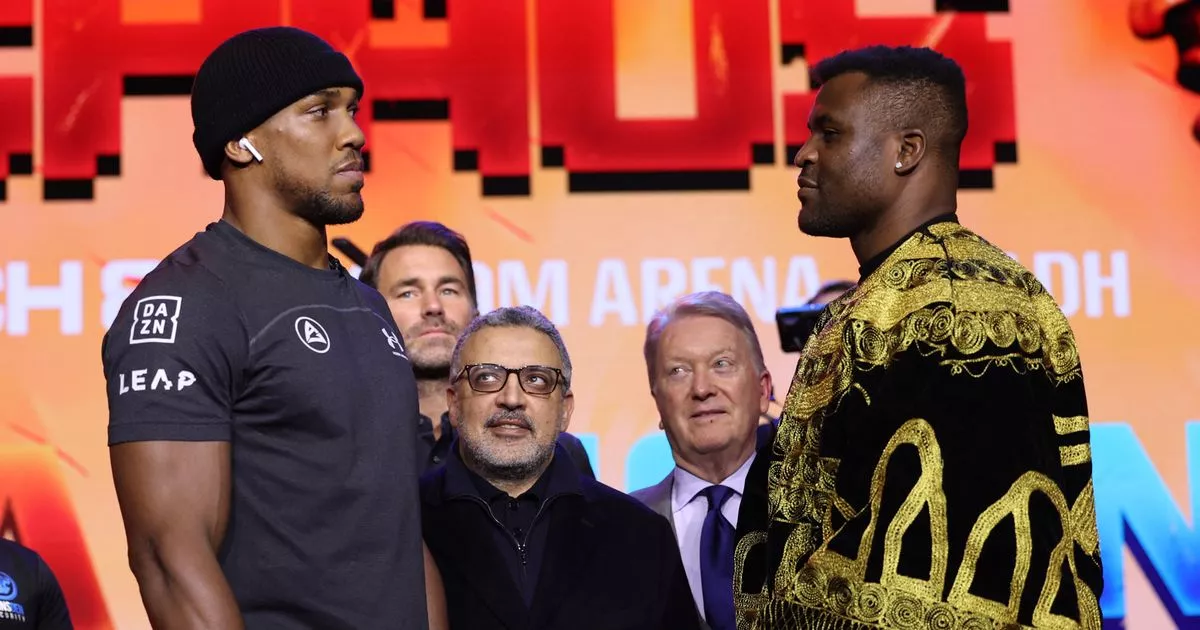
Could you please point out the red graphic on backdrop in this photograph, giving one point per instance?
(16, 134)
(16, 14)
(38, 509)
(1152, 19)
(577, 85)
(16, 95)
(479, 81)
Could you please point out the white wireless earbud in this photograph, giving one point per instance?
(245, 144)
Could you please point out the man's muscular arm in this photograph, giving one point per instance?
(174, 499)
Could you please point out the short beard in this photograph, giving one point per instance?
(831, 221)
(505, 471)
(491, 467)
(423, 363)
(322, 208)
(319, 207)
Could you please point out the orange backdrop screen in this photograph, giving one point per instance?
(603, 157)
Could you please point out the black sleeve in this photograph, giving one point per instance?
(679, 608)
(52, 613)
(173, 358)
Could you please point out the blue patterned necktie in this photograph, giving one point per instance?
(716, 561)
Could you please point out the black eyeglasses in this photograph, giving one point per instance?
(489, 378)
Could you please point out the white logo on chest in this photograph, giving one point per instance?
(312, 334)
(155, 319)
(394, 343)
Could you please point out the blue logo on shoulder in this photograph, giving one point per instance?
(8, 588)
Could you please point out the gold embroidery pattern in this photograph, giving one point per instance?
(746, 600)
(938, 328)
(801, 482)
(926, 495)
(908, 299)
(1073, 424)
(958, 299)
(1083, 520)
(1015, 504)
(833, 587)
(1075, 454)
(851, 606)
(991, 293)
(1011, 327)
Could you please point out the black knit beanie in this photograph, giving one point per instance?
(252, 76)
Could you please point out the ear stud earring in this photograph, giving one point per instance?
(899, 165)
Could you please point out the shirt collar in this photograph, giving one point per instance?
(877, 260)
(489, 493)
(444, 421)
(686, 485)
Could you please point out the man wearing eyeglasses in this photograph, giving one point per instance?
(425, 273)
(521, 537)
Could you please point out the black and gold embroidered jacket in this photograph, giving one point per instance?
(932, 469)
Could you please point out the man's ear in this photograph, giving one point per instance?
(238, 154)
(912, 151)
(568, 409)
(764, 393)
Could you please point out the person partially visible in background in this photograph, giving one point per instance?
(424, 271)
(710, 385)
(830, 291)
(522, 538)
(30, 597)
(1179, 20)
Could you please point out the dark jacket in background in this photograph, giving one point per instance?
(608, 562)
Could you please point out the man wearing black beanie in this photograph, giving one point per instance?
(262, 409)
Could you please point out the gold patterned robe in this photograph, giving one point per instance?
(932, 469)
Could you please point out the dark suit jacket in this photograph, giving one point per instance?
(610, 563)
(754, 497)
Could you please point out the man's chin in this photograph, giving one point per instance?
(429, 370)
(349, 213)
(812, 224)
(810, 227)
(715, 439)
(430, 355)
(815, 231)
(499, 459)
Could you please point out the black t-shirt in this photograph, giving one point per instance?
(302, 370)
(30, 598)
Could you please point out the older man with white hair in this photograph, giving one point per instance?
(711, 386)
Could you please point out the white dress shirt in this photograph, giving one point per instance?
(688, 511)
